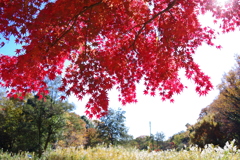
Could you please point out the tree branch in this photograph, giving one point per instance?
(170, 5)
(74, 19)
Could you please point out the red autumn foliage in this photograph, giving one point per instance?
(108, 43)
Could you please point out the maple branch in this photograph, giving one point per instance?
(170, 5)
(172, 16)
(74, 19)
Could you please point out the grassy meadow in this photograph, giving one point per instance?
(210, 152)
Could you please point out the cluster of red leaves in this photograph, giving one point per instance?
(109, 43)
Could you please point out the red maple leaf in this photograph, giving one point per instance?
(62, 98)
(114, 43)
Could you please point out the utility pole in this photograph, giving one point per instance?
(150, 128)
(151, 137)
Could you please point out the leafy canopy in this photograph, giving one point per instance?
(109, 43)
(111, 127)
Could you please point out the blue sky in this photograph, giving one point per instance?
(167, 117)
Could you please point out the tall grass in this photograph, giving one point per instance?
(210, 152)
